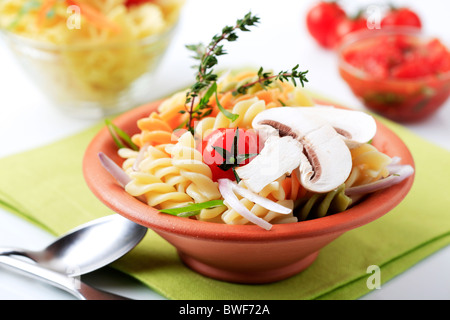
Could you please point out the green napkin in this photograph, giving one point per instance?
(46, 187)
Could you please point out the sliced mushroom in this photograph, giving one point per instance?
(288, 121)
(280, 156)
(324, 161)
(355, 127)
(329, 160)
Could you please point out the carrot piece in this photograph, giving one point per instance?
(94, 16)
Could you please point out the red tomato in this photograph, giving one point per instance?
(376, 58)
(130, 3)
(401, 17)
(431, 58)
(322, 21)
(389, 60)
(438, 56)
(248, 143)
(347, 26)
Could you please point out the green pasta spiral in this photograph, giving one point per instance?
(322, 204)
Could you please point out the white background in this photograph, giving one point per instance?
(28, 120)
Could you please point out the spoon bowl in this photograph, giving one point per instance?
(88, 247)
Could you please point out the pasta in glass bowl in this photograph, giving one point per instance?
(244, 230)
(91, 58)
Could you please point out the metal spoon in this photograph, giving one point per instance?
(71, 285)
(87, 247)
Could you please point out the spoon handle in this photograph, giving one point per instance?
(73, 286)
(10, 250)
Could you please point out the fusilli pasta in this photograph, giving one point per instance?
(197, 177)
(95, 61)
(246, 109)
(369, 165)
(321, 204)
(156, 179)
(174, 166)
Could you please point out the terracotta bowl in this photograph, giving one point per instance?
(240, 253)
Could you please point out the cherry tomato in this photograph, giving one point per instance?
(401, 17)
(322, 21)
(347, 26)
(130, 3)
(248, 143)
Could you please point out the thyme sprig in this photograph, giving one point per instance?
(205, 86)
(205, 77)
(265, 79)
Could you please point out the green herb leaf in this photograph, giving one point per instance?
(238, 179)
(266, 78)
(192, 209)
(232, 116)
(117, 133)
(224, 153)
(242, 157)
(205, 99)
(235, 146)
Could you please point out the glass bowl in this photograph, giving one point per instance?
(403, 95)
(92, 80)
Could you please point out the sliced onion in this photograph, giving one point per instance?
(395, 160)
(263, 202)
(117, 172)
(226, 189)
(140, 157)
(398, 174)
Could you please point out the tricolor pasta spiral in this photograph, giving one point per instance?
(195, 175)
(173, 173)
(156, 179)
(318, 205)
(154, 131)
(92, 60)
(369, 165)
(246, 109)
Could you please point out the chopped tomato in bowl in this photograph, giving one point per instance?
(398, 73)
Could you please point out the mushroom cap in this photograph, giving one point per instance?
(288, 121)
(279, 156)
(354, 126)
(326, 159)
(329, 161)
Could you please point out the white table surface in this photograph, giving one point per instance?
(28, 120)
